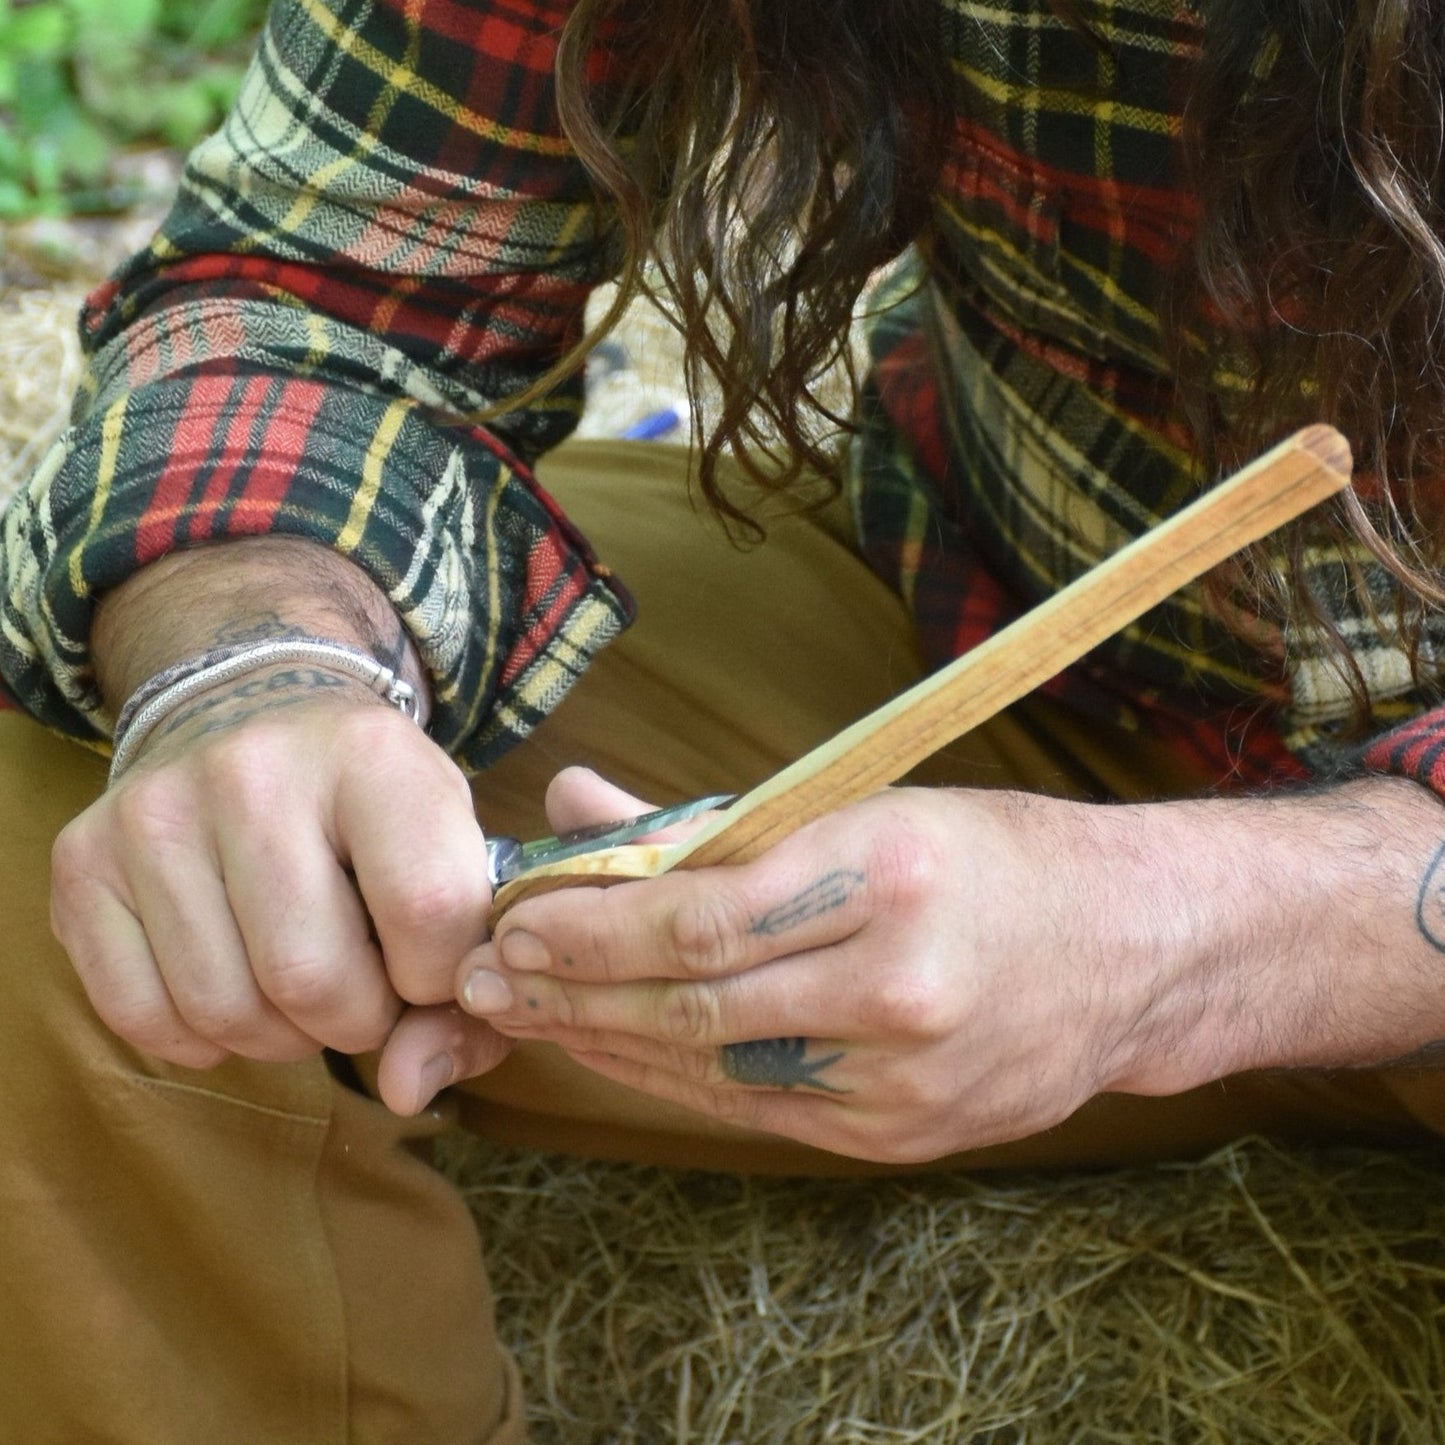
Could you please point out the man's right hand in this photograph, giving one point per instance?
(289, 864)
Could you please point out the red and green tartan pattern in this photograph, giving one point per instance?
(391, 237)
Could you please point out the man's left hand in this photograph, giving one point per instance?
(909, 976)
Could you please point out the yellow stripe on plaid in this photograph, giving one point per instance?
(545, 682)
(112, 429)
(372, 472)
(404, 79)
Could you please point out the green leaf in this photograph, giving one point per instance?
(217, 23)
(15, 201)
(80, 77)
(42, 98)
(189, 113)
(38, 30)
(133, 17)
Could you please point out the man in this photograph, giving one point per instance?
(212, 1221)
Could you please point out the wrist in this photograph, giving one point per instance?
(1259, 933)
(238, 592)
(1102, 896)
(241, 671)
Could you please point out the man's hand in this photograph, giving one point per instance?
(932, 971)
(289, 865)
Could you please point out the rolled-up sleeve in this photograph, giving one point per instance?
(1405, 685)
(1415, 750)
(388, 239)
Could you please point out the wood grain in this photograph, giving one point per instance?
(880, 748)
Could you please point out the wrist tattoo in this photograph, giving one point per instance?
(263, 627)
(1430, 906)
(394, 655)
(831, 891)
(264, 692)
(778, 1064)
(244, 714)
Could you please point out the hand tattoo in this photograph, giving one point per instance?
(778, 1064)
(1430, 906)
(831, 891)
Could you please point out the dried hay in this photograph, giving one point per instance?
(40, 364)
(1258, 1296)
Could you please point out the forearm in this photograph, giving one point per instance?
(1289, 931)
(248, 589)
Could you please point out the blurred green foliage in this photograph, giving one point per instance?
(82, 79)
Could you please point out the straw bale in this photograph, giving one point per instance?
(1260, 1295)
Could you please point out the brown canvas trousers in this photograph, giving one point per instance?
(260, 1253)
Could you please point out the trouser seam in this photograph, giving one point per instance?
(213, 1096)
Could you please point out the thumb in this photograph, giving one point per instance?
(580, 798)
(430, 1048)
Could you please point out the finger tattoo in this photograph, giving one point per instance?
(831, 891)
(778, 1064)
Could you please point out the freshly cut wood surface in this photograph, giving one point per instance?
(880, 748)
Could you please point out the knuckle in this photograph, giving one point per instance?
(367, 1036)
(914, 1004)
(906, 1149)
(298, 984)
(153, 812)
(241, 763)
(141, 1021)
(690, 1015)
(886, 1140)
(72, 855)
(193, 1053)
(706, 932)
(907, 864)
(421, 899)
(380, 730)
(220, 1015)
(76, 872)
(399, 755)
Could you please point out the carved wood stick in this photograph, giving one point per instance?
(880, 748)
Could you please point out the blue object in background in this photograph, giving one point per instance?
(655, 424)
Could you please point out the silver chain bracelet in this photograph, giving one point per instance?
(158, 698)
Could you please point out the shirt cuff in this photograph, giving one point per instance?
(505, 600)
(1414, 750)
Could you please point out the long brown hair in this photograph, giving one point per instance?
(766, 156)
(1315, 142)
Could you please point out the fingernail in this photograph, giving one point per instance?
(525, 952)
(436, 1074)
(486, 992)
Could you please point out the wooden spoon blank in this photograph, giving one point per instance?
(880, 748)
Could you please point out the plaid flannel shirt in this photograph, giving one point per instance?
(391, 235)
